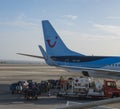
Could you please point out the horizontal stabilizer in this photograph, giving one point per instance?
(30, 55)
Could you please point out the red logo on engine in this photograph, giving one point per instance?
(53, 44)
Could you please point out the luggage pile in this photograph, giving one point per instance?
(28, 88)
(31, 90)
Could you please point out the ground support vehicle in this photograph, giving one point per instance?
(87, 88)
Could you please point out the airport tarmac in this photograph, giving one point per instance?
(10, 73)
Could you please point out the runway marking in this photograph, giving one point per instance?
(18, 102)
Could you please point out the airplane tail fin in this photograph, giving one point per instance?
(54, 44)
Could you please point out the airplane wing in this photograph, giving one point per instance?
(31, 55)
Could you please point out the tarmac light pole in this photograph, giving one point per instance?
(92, 104)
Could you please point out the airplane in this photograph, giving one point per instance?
(59, 55)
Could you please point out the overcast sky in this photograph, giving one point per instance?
(91, 27)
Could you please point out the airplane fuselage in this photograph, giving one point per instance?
(88, 61)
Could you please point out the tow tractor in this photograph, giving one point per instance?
(88, 88)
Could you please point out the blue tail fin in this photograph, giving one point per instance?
(54, 44)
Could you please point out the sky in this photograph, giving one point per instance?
(90, 27)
